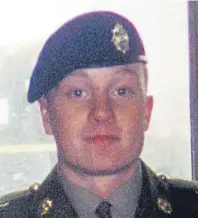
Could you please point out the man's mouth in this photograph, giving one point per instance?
(103, 139)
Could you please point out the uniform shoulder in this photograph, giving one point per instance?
(179, 185)
(183, 196)
(11, 204)
(184, 192)
(12, 196)
(16, 203)
(18, 194)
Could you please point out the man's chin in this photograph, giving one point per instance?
(100, 171)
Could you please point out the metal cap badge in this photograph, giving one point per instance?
(45, 206)
(120, 38)
(164, 205)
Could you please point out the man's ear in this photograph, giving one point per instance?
(148, 111)
(44, 109)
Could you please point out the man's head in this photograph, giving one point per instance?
(91, 82)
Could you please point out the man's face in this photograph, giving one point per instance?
(98, 117)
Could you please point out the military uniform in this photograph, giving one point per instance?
(160, 198)
(94, 40)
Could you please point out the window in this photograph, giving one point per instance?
(4, 112)
(27, 81)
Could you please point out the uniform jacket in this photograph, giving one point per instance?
(160, 198)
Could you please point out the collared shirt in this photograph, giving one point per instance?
(124, 199)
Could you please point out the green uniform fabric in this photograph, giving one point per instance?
(159, 198)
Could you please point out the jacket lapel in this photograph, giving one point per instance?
(151, 192)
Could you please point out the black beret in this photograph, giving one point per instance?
(95, 39)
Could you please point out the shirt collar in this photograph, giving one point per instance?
(125, 198)
(83, 201)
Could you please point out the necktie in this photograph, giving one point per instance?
(104, 210)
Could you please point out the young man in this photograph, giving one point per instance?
(91, 84)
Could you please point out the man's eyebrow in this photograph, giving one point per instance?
(78, 73)
(125, 71)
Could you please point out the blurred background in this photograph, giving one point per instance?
(26, 153)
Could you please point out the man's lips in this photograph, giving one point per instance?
(103, 139)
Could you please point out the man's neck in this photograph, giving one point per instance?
(102, 186)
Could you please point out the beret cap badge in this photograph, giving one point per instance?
(120, 38)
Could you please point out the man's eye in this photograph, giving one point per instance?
(122, 92)
(79, 93)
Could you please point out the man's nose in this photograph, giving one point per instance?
(102, 110)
